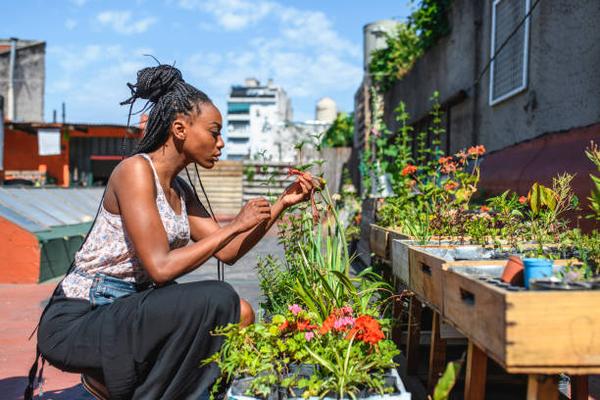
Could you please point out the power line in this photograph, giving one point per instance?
(513, 33)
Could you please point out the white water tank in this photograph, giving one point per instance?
(326, 110)
(374, 37)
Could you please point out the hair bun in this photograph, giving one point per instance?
(154, 82)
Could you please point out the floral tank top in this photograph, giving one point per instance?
(108, 249)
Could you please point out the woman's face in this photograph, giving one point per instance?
(203, 142)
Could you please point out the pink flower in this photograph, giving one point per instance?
(342, 323)
(308, 336)
(346, 310)
(295, 309)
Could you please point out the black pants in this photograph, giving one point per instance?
(148, 345)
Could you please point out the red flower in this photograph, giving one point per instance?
(367, 329)
(450, 185)
(522, 199)
(409, 170)
(300, 326)
(284, 326)
(327, 324)
(304, 325)
(484, 209)
(476, 150)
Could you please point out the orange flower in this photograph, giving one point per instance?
(450, 185)
(484, 209)
(367, 329)
(522, 199)
(327, 324)
(476, 150)
(409, 170)
(444, 160)
(448, 168)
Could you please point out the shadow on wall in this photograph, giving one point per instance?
(12, 389)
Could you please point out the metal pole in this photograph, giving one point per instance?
(10, 101)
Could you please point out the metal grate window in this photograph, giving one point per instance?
(508, 74)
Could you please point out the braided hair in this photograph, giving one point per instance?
(167, 95)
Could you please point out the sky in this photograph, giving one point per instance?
(311, 48)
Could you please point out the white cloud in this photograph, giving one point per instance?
(232, 14)
(92, 80)
(123, 23)
(70, 24)
(305, 54)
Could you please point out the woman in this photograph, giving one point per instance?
(149, 344)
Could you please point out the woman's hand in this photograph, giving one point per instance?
(255, 212)
(300, 190)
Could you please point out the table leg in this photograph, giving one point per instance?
(437, 353)
(414, 336)
(579, 387)
(476, 373)
(397, 318)
(542, 387)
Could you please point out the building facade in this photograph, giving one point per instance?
(256, 119)
(22, 77)
(543, 79)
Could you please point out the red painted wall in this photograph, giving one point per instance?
(21, 150)
(19, 254)
(21, 153)
(517, 167)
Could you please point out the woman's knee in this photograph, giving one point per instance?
(246, 313)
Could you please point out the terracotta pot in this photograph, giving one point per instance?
(513, 271)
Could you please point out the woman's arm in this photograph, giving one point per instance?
(202, 226)
(133, 186)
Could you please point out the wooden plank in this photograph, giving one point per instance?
(579, 387)
(542, 387)
(425, 275)
(437, 354)
(399, 256)
(414, 335)
(476, 372)
(476, 312)
(379, 241)
(553, 328)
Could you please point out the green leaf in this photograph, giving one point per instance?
(447, 380)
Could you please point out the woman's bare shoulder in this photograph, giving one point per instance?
(132, 174)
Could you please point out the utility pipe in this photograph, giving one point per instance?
(11, 101)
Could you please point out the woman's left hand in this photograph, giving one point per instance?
(300, 190)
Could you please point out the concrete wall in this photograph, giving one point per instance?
(563, 88)
(29, 79)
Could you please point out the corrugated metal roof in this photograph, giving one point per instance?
(41, 209)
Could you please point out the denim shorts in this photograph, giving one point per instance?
(105, 289)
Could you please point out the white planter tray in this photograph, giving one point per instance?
(401, 394)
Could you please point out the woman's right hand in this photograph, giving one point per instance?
(255, 212)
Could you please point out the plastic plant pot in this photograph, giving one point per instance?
(536, 268)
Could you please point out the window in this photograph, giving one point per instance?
(235, 140)
(508, 73)
(238, 108)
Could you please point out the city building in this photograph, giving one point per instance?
(256, 119)
(22, 76)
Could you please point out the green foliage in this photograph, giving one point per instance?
(447, 381)
(341, 132)
(593, 153)
(426, 25)
(430, 21)
(395, 60)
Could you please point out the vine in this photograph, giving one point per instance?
(426, 25)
